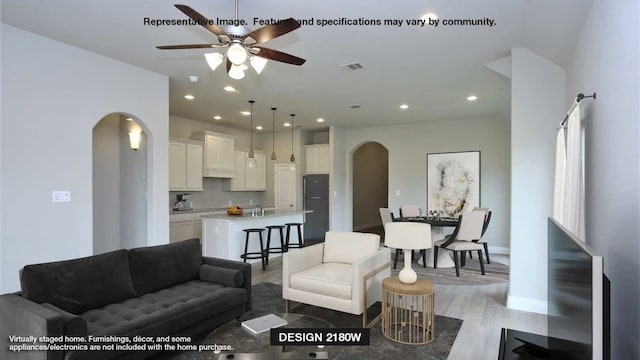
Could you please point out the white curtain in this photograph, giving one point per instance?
(558, 184)
(568, 201)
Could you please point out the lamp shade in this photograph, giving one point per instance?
(213, 59)
(134, 140)
(237, 54)
(258, 63)
(407, 235)
(237, 71)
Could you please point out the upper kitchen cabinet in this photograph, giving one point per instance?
(218, 154)
(185, 165)
(317, 159)
(249, 179)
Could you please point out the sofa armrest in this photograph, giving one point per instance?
(21, 316)
(297, 260)
(375, 267)
(236, 265)
(72, 325)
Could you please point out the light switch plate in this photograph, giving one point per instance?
(60, 196)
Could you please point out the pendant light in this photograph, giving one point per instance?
(292, 160)
(251, 160)
(273, 134)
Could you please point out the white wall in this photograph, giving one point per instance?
(408, 146)
(106, 183)
(49, 108)
(537, 107)
(133, 187)
(606, 61)
(338, 195)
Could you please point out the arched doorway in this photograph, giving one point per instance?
(370, 187)
(119, 184)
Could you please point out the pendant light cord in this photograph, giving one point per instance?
(273, 134)
(251, 129)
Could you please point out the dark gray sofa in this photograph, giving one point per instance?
(157, 291)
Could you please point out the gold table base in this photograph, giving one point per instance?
(408, 311)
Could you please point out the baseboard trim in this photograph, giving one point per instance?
(499, 250)
(526, 304)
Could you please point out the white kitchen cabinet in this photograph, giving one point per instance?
(317, 159)
(185, 165)
(218, 154)
(254, 179)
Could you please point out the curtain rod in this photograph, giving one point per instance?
(575, 103)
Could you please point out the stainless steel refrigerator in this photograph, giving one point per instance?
(316, 198)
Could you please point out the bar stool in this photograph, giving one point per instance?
(274, 250)
(254, 254)
(300, 241)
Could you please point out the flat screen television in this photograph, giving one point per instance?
(578, 298)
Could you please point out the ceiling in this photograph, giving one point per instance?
(432, 69)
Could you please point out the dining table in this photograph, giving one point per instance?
(437, 233)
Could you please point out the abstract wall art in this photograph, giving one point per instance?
(453, 182)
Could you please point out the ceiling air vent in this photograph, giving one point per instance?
(352, 66)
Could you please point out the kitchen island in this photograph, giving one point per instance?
(222, 234)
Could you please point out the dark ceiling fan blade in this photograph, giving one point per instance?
(189, 46)
(269, 32)
(201, 20)
(278, 56)
(228, 65)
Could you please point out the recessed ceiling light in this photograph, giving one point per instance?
(472, 98)
(189, 97)
(428, 16)
(229, 88)
(217, 117)
(320, 120)
(404, 106)
(245, 113)
(258, 127)
(286, 124)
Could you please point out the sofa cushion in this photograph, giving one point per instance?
(158, 267)
(166, 311)
(80, 284)
(330, 279)
(346, 247)
(220, 275)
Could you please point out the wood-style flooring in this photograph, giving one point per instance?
(482, 307)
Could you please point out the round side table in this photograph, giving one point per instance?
(408, 311)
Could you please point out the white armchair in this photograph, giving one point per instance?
(344, 273)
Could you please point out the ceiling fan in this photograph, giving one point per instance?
(242, 43)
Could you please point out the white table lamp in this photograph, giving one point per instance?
(408, 236)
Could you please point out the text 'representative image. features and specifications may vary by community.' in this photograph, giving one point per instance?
(323, 22)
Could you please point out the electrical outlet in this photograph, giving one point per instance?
(397, 192)
(60, 196)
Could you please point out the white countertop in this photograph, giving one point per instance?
(247, 215)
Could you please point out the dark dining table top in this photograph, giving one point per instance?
(430, 220)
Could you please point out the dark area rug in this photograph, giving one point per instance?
(470, 274)
(267, 297)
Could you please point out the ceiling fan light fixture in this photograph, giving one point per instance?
(258, 63)
(237, 54)
(237, 71)
(214, 60)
